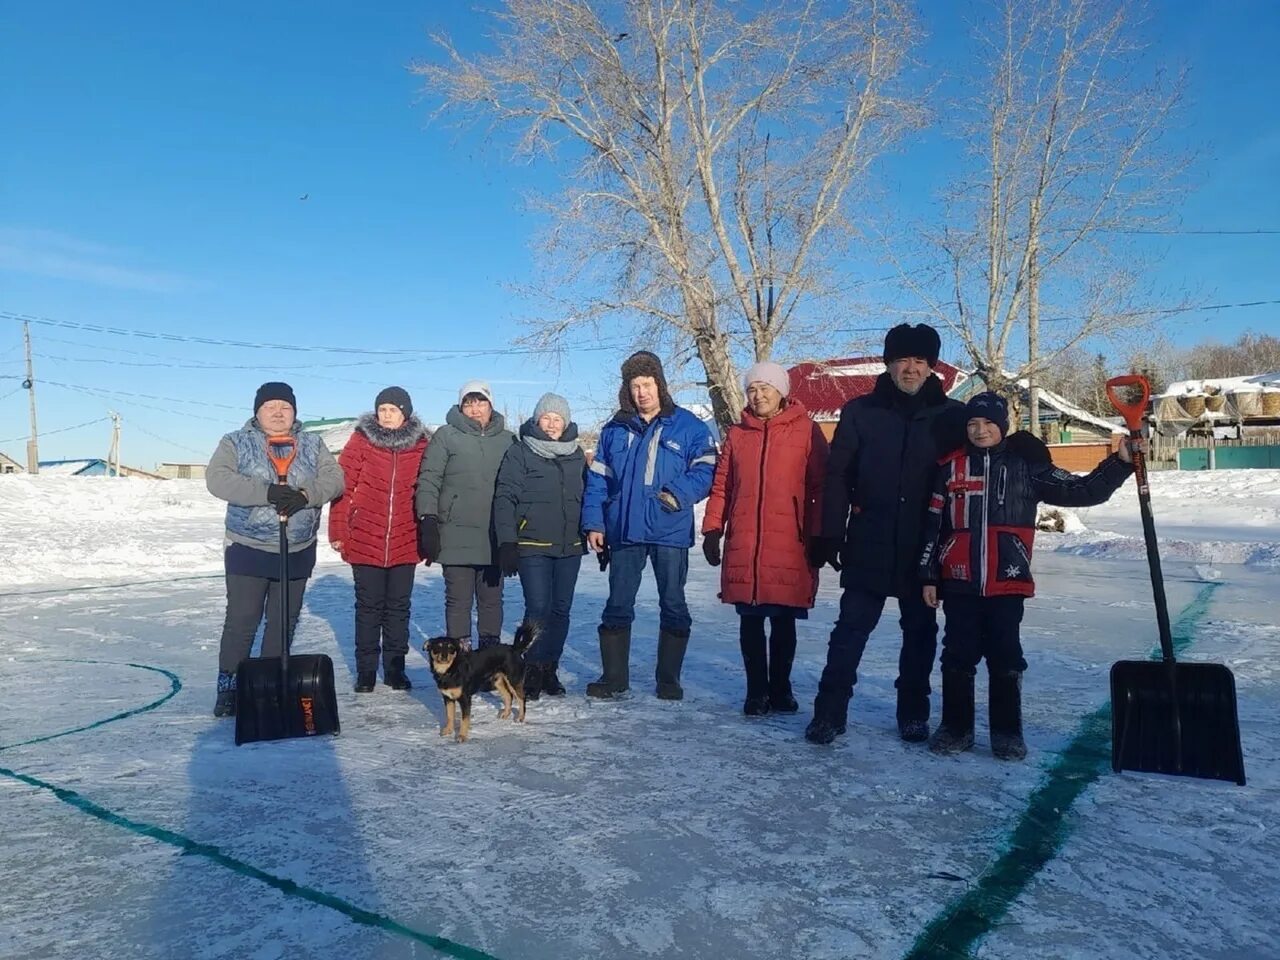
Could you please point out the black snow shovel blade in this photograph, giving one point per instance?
(278, 698)
(1145, 716)
(272, 705)
(1166, 716)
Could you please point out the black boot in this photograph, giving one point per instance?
(752, 643)
(225, 704)
(913, 717)
(487, 640)
(672, 645)
(533, 681)
(551, 684)
(615, 660)
(782, 652)
(393, 674)
(955, 735)
(365, 680)
(1005, 702)
(823, 730)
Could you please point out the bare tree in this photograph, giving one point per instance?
(713, 150)
(1068, 164)
(1251, 354)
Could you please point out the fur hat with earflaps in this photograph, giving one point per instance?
(642, 363)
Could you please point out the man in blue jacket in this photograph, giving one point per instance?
(654, 461)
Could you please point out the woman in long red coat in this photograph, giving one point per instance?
(373, 526)
(765, 504)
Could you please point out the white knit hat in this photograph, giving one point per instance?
(475, 386)
(770, 373)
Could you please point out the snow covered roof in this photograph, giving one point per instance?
(1069, 409)
(826, 386)
(1190, 388)
(66, 468)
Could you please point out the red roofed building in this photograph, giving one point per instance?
(827, 386)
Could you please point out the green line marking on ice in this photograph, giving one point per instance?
(191, 847)
(1041, 830)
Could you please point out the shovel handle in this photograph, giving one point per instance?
(1132, 412)
(282, 461)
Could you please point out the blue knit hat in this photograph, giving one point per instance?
(989, 406)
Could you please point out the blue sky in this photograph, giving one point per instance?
(155, 153)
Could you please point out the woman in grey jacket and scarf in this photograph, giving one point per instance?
(455, 510)
(537, 508)
(242, 474)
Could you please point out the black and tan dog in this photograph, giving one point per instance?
(461, 674)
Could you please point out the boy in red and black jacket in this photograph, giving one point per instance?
(977, 557)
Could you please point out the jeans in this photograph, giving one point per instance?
(980, 627)
(247, 597)
(859, 613)
(548, 584)
(465, 586)
(670, 570)
(382, 612)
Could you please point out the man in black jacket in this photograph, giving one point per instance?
(874, 502)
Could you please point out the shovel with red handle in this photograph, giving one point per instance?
(1167, 716)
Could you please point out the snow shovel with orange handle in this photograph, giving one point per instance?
(282, 697)
(1166, 716)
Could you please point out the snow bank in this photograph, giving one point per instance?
(107, 530)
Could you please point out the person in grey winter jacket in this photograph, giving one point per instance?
(242, 474)
(537, 505)
(455, 511)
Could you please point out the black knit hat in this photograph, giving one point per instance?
(397, 397)
(274, 390)
(642, 363)
(921, 341)
(990, 406)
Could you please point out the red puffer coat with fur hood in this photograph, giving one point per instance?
(374, 518)
(767, 498)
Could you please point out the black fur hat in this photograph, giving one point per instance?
(642, 363)
(904, 340)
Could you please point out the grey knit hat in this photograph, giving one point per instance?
(552, 403)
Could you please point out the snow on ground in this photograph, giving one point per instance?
(1220, 516)
(630, 829)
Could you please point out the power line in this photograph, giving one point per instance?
(45, 433)
(172, 443)
(293, 347)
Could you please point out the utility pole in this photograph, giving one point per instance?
(33, 445)
(113, 458)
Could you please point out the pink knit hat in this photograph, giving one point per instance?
(771, 373)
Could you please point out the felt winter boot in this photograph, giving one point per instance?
(1006, 716)
(955, 735)
(672, 645)
(225, 704)
(782, 652)
(533, 681)
(366, 680)
(551, 684)
(752, 643)
(393, 674)
(615, 661)
(823, 730)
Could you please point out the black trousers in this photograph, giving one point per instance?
(247, 599)
(980, 627)
(382, 613)
(859, 613)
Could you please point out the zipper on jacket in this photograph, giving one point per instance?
(1000, 489)
(564, 510)
(755, 563)
(391, 504)
(986, 496)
